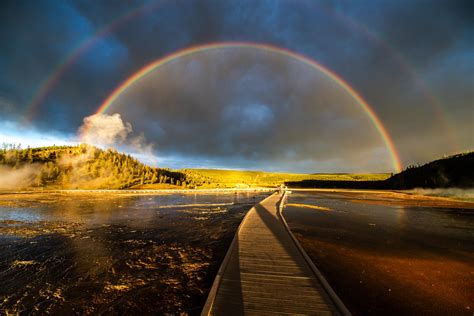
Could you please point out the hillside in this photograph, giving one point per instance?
(242, 178)
(456, 171)
(88, 167)
(78, 167)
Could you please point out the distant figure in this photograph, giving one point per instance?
(281, 188)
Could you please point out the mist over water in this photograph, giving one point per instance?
(17, 178)
(460, 193)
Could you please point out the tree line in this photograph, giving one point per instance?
(89, 167)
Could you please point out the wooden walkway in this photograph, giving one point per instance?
(265, 272)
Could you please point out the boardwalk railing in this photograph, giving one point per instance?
(334, 297)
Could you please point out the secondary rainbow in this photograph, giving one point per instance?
(60, 70)
(200, 48)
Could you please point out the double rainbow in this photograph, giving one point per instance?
(137, 76)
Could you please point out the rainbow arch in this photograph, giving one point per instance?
(63, 66)
(388, 142)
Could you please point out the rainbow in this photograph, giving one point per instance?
(59, 71)
(137, 76)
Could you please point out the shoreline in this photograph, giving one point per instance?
(406, 194)
(413, 195)
(128, 191)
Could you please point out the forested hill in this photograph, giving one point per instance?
(452, 171)
(88, 167)
(78, 167)
(455, 171)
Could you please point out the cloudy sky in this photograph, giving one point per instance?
(242, 107)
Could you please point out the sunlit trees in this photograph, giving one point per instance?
(84, 166)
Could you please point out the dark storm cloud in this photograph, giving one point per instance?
(241, 102)
(432, 38)
(421, 29)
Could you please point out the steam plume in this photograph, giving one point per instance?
(104, 130)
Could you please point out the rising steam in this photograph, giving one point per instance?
(460, 193)
(104, 130)
(18, 178)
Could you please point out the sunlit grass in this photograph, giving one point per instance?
(237, 178)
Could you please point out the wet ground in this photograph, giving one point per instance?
(389, 254)
(105, 253)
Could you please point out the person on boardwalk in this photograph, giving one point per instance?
(281, 189)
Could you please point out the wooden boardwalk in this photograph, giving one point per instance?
(265, 272)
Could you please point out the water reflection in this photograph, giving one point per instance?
(386, 254)
(114, 253)
(93, 209)
(401, 216)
